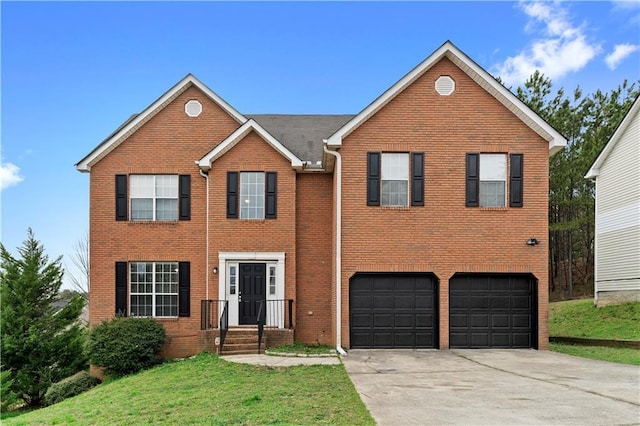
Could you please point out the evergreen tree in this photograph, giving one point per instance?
(40, 345)
(587, 122)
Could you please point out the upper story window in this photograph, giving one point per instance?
(153, 197)
(487, 180)
(395, 179)
(493, 180)
(251, 195)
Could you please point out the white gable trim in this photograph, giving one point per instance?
(594, 171)
(251, 125)
(479, 75)
(132, 125)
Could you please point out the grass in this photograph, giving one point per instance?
(579, 318)
(301, 348)
(208, 390)
(619, 355)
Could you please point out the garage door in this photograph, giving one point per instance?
(393, 311)
(492, 311)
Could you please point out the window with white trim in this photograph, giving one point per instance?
(153, 289)
(272, 280)
(395, 179)
(493, 180)
(252, 195)
(154, 197)
(232, 278)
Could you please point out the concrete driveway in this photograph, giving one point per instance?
(492, 387)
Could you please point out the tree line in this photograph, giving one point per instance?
(587, 122)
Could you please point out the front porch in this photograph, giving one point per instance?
(273, 327)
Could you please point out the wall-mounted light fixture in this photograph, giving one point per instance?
(532, 241)
(215, 269)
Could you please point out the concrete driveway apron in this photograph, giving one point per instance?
(493, 387)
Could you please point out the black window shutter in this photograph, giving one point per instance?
(184, 285)
(121, 197)
(121, 288)
(515, 181)
(473, 180)
(373, 178)
(232, 195)
(271, 195)
(417, 179)
(184, 184)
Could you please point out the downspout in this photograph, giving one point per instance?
(338, 169)
(206, 262)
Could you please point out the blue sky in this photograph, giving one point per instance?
(73, 72)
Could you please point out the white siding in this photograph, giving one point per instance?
(619, 259)
(619, 180)
(618, 214)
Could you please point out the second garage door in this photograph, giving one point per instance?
(393, 311)
(492, 311)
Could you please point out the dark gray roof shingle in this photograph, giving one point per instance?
(301, 134)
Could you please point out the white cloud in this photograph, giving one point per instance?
(619, 54)
(561, 47)
(9, 175)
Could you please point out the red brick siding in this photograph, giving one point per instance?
(444, 236)
(268, 235)
(314, 245)
(170, 142)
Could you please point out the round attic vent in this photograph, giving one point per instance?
(445, 85)
(193, 108)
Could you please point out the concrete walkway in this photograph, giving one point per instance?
(493, 387)
(281, 361)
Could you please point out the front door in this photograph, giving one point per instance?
(252, 291)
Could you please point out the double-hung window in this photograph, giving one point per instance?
(251, 195)
(395, 179)
(154, 197)
(487, 177)
(153, 289)
(493, 180)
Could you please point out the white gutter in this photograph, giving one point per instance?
(206, 262)
(338, 171)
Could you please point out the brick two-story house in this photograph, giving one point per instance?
(420, 222)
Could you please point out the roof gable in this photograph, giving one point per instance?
(476, 73)
(137, 120)
(631, 115)
(250, 125)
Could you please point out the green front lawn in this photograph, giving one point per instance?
(208, 390)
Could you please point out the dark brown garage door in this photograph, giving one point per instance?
(393, 311)
(492, 311)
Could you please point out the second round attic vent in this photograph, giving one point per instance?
(445, 85)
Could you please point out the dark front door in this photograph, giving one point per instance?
(252, 291)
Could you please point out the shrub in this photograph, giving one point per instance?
(71, 386)
(126, 345)
(7, 396)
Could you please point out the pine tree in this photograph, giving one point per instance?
(40, 344)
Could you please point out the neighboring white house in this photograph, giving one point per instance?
(616, 172)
